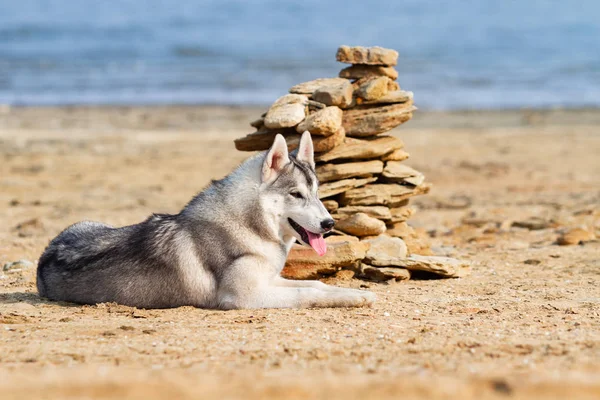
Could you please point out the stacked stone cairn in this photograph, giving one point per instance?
(364, 182)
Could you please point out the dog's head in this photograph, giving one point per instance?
(292, 186)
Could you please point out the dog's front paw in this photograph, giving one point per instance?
(368, 297)
(359, 298)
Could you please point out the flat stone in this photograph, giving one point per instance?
(330, 205)
(445, 267)
(384, 249)
(419, 246)
(343, 238)
(334, 172)
(324, 122)
(367, 55)
(361, 224)
(401, 214)
(359, 71)
(287, 111)
(414, 243)
(393, 86)
(335, 94)
(395, 171)
(533, 223)
(344, 275)
(453, 202)
(309, 87)
(575, 236)
(263, 139)
(401, 230)
(304, 263)
(258, 123)
(383, 274)
(323, 144)
(380, 212)
(396, 155)
(389, 195)
(356, 149)
(314, 106)
(392, 97)
(372, 88)
(372, 120)
(332, 188)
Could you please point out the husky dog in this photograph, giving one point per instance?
(224, 250)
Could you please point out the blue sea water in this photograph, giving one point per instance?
(453, 54)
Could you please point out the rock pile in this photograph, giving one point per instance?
(364, 182)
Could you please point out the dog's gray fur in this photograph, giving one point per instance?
(224, 250)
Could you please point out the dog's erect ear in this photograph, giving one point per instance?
(277, 157)
(306, 150)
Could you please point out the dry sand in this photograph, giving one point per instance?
(525, 324)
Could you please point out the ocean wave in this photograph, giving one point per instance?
(483, 55)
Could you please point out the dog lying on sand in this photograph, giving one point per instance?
(224, 250)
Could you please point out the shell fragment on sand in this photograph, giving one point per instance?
(17, 266)
(309, 87)
(332, 188)
(367, 55)
(359, 71)
(357, 149)
(334, 172)
(396, 171)
(370, 120)
(326, 121)
(390, 195)
(304, 263)
(287, 111)
(361, 224)
(335, 94)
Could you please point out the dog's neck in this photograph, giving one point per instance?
(239, 196)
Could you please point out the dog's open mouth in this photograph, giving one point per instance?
(314, 240)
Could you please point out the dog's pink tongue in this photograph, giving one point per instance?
(317, 242)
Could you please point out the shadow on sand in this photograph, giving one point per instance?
(30, 298)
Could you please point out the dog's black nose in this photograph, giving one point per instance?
(327, 224)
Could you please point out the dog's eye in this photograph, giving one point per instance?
(296, 195)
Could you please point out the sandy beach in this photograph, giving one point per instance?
(506, 186)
